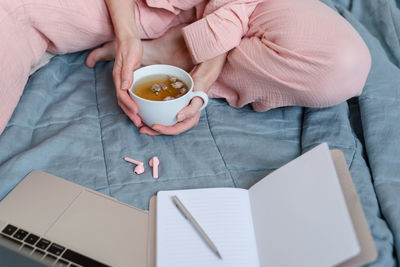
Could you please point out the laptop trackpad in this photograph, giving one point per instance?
(103, 229)
(38, 201)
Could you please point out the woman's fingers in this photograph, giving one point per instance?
(124, 98)
(105, 52)
(178, 128)
(190, 110)
(117, 74)
(191, 114)
(188, 118)
(134, 117)
(129, 107)
(129, 59)
(147, 130)
(128, 67)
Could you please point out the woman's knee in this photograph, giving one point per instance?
(312, 48)
(344, 73)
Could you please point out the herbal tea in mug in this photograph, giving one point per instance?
(161, 91)
(160, 88)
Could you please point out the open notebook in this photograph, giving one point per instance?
(296, 216)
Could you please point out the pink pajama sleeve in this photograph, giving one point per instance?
(222, 27)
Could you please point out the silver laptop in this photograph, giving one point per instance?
(46, 220)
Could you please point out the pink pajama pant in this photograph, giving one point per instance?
(296, 52)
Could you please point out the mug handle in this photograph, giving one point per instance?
(202, 95)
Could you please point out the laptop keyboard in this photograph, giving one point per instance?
(49, 252)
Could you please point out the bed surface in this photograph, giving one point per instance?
(68, 124)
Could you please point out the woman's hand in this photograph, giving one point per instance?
(204, 75)
(127, 54)
(127, 60)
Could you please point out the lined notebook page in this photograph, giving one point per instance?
(300, 216)
(223, 213)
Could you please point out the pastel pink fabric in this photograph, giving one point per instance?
(281, 52)
(29, 28)
(295, 53)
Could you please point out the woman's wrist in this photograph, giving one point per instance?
(126, 34)
(206, 73)
(128, 39)
(122, 13)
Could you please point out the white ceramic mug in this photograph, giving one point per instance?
(164, 112)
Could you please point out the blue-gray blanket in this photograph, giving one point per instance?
(68, 123)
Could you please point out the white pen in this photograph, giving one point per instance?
(195, 224)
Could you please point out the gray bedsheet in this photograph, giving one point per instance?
(68, 124)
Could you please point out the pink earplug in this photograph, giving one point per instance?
(134, 161)
(139, 169)
(154, 162)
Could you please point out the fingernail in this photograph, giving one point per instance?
(181, 117)
(125, 85)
